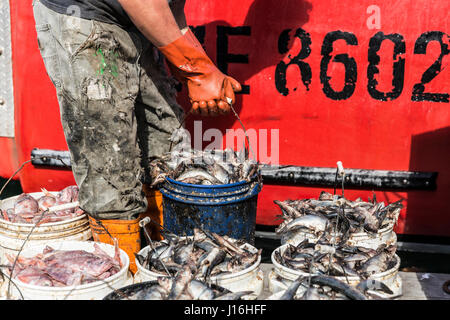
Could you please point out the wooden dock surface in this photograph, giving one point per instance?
(416, 285)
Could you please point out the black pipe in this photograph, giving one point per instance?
(354, 178)
(290, 175)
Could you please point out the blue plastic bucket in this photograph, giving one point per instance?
(228, 209)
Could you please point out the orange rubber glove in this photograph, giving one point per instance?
(208, 87)
(194, 41)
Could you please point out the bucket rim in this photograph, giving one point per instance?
(69, 289)
(14, 244)
(214, 200)
(202, 186)
(152, 283)
(50, 224)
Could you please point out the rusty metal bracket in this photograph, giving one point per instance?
(51, 158)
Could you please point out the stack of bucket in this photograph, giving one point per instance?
(251, 278)
(224, 209)
(15, 235)
(280, 276)
(228, 209)
(91, 291)
(30, 240)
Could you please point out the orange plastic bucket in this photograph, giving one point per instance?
(154, 211)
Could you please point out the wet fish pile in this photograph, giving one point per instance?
(332, 219)
(206, 254)
(209, 167)
(322, 287)
(29, 210)
(59, 268)
(323, 258)
(334, 215)
(184, 287)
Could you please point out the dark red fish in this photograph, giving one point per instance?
(34, 276)
(69, 194)
(26, 206)
(46, 201)
(29, 210)
(65, 267)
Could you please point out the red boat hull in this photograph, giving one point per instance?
(337, 80)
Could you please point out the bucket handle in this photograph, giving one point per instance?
(252, 191)
(230, 102)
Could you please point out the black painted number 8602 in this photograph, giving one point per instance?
(305, 69)
(418, 92)
(420, 47)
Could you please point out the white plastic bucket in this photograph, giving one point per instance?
(92, 291)
(360, 239)
(250, 279)
(12, 235)
(280, 277)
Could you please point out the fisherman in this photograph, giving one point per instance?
(117, 102)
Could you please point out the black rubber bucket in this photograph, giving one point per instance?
(228, 209)
(128, 291)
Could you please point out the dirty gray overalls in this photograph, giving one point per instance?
(118, 107)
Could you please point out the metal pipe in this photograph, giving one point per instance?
(354, 178)
(299, 176)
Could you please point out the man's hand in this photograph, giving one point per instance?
(208, 87)
(229, 86)
(213, 107)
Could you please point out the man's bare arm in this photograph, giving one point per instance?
(208, 88)
(178, 12)
(155, 20)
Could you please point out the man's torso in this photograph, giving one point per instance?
(109, 11)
